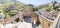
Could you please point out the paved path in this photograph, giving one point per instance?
(19, 25)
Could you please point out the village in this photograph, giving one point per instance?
(28, 18)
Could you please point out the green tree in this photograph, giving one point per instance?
(48, 8)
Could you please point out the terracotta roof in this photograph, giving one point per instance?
(49, 15)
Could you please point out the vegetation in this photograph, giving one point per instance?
(11, 8)
(48, 8)
(35, 9)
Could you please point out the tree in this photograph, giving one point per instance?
(48, 8)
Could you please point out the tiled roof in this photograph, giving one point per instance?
(49, 15)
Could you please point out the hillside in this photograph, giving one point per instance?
(11, 7)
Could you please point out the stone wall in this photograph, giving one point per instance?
(45, 23)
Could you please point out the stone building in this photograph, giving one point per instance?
(28, 10)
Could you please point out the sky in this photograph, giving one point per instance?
(37, 2)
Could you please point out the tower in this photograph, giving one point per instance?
(28, 10)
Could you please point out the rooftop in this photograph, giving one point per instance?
(49, 15)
